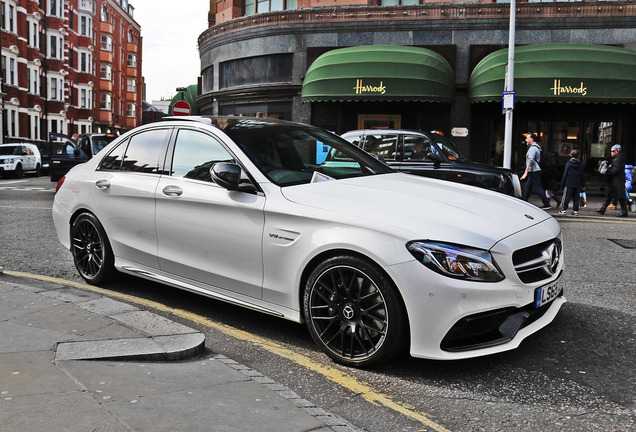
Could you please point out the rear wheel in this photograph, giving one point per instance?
(91, 250)
(38, 170)
(354, 312)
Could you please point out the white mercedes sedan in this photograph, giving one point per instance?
(293, 221)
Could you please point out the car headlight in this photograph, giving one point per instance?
(456, 261)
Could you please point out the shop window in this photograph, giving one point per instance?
(256, 70)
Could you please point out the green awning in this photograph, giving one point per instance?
(379, 73)
(559, 73)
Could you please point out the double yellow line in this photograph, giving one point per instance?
(339, 377)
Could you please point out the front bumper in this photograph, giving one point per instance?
(456, 319)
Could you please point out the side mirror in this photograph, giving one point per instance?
(437, 159)
(228, 175)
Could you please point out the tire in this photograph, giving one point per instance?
(18, 173)
(38, 170)
(354, 312)
(92, 254)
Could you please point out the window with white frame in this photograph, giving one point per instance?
(85, 61)
(33, 79)
(33, 34)
(132, 60)
(56, 42)
(34, 126)
(55, 7)
(85, 24)
(9, 16)
(131, 85)
(105, 72)
(85, 97)
(10, 72)
(105, 101)
(56, 87)
(56, 123)
(13, 120)
(131, 110)
(104, 14)
(106, 43)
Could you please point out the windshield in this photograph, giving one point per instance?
(10, 150)
(449, 148)
(291, 154)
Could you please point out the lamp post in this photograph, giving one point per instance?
(509, 88)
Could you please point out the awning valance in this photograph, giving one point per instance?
(379, 73)
(559, 73)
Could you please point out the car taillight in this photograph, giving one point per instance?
(59, 184)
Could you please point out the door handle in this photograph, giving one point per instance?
(172, 190)
(102, 184)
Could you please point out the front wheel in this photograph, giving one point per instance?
(91, 250)
(18, 173)
(354, 312)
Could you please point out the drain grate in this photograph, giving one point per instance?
(627, 244)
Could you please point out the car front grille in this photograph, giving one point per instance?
(538, 262)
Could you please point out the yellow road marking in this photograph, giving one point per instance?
(341, 378)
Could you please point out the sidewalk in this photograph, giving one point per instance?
(595, 199)
(73, 360)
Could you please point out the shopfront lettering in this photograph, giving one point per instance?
(360, 88)
(558, 89)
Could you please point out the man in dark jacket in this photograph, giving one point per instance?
(616, 182)
(573, 182)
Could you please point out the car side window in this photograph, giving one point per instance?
(144, 150)
(195, 153)
(113, 160)
(382, 145)
(417, 147)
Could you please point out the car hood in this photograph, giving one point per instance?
(421, 208)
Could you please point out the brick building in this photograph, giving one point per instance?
(279, 58)
(51, 63)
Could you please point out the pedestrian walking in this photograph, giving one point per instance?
(573, 183)
(616, 181)
(533, 171)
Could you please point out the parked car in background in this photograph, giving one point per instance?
(18, 158)
(66, 153)
(430, 154)
(293, 221)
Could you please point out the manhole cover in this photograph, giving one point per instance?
(627, 244)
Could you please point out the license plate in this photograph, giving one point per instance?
(545, 294)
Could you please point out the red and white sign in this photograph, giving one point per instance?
(181, 108)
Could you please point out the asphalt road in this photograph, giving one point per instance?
(578, 374)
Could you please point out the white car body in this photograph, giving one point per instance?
(270, 239)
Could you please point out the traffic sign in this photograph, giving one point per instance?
(181, 108)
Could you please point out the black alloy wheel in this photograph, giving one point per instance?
(353, 312)
(91, 250)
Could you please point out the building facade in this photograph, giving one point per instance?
(257, 57)
(51, 79)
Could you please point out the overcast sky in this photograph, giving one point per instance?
(170, 30)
